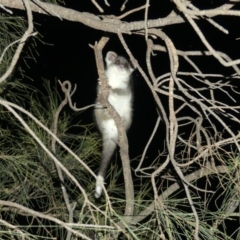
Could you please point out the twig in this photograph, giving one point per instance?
(45, 7)
(23, 39)
(5, 9)
(146, 19)
(97, 6)
(148, 144)
(67, 90)
(124, 5)
(70, 206)
(131, 11)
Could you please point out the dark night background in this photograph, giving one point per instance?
(64, 53)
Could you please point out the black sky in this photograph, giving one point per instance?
(64, 53)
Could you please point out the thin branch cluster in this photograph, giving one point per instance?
(198, 159)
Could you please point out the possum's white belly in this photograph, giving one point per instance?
(122, 104)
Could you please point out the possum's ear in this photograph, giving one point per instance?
(110, 57)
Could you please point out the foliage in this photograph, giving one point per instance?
(28, 175)
(188, 190)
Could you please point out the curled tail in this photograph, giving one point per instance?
(109, 146)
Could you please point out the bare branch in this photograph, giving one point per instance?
(23, 39)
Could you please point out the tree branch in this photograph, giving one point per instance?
(104, 23)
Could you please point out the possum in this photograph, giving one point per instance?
(118, 72)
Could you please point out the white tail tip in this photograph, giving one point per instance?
(99, 186)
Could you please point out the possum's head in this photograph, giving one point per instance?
(118, 70)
